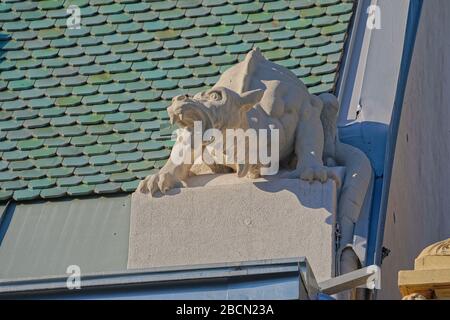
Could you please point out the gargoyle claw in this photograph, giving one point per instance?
(318, 173)
(149, 184)
(162, 182)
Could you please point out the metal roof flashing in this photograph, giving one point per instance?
(269, 279)
(43, 238)
(287, 279)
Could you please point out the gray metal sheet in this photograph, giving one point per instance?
(44, 238)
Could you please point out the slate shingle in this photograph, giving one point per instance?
(82, 111)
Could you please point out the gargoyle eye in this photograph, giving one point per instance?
(215, 96)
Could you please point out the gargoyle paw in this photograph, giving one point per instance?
(162, 181)
(315, 173)
(311, 173)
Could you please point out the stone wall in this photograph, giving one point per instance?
(419, 202)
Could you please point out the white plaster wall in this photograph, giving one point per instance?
(419, 204)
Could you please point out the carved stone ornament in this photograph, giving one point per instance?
(438, 249)
(414, 296)
(259, 95)
(431, 275)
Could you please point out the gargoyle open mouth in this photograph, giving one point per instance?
(186, 113)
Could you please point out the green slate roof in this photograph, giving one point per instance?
(83, 111)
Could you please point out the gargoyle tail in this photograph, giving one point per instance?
(329, 122)
(357, 167)
(355, 187)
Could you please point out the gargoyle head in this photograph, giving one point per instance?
(218, 108)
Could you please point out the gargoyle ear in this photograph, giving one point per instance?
(248, 99)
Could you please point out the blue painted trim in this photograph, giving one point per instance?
(372, 242)
(414, 12)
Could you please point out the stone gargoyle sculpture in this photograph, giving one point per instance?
(259, 94)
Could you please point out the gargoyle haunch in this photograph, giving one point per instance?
(259, 94)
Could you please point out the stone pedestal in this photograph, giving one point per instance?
(221, 218)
